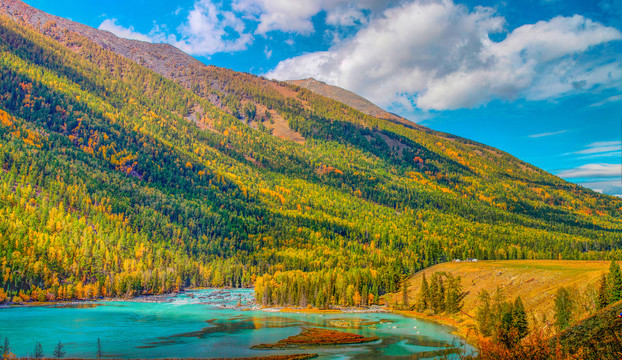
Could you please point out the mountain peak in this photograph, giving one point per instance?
(347, 97)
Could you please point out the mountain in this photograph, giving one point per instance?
(346, 97)
(132, 168)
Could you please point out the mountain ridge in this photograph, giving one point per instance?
(347, 97)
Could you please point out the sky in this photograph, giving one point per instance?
(540, 79)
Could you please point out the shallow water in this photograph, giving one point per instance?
(197, 324)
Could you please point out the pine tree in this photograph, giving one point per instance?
(453, 294)
(99, 349)
(425, 293)
(602, 292)
(59, 351)
(564, 307)
(38, 351)
(519, 318)
(6, 349)
(507, 333)
(484, 314)
(405, 294)
(437, 292)
(614, 286)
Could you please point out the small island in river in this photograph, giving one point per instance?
(317, 336)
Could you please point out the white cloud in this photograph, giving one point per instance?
(208, 29)
(614, 98)
(438, 55)
(296, 16)
(267, 52)
(611, 187)
(123, 32)
(617, 154)
(593, 171)
(547, 134)
(599, 149)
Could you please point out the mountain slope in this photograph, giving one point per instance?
(126, 177)
(346, 97)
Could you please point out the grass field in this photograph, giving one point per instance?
(536, 281)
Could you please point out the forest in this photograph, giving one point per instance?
(117, 181)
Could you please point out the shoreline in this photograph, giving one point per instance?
(461, 328)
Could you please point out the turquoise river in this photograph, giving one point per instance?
(207, 324)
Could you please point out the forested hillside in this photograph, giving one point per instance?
(118, 181)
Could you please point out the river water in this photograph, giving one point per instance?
(206, 323)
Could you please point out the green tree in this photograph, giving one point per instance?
(564, 308)
(507, 333)
(484, 314)
(100, 353)
(59, 351)
(6, 348)
(405, 294)
(602, 292)
(454, 295)
(424, 295)
(614, 283)
(38, 354)
(519, 318)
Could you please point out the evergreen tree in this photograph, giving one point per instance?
(424, 302)
(437, 292)
(100, 353)
(453, 294)
(6, 349)
(59, 351)
(519, 318)
(484, 314)
(38, 354)
(405, 293)
(564, 308)
(602, 292)
(614, 285)
(506, 332)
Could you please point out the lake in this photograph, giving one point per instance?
(205, 323)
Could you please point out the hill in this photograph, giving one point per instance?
(535, 281)
(132, 168)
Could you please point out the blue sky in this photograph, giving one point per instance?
(541, 79)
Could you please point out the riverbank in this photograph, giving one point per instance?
(462, 325)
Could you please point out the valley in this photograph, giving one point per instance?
(131, 169)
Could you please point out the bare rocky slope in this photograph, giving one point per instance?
(347, 97)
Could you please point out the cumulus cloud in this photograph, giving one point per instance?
(296, 16)
(208, 29)
(599, 170)
(438, 55)
(123, 32)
